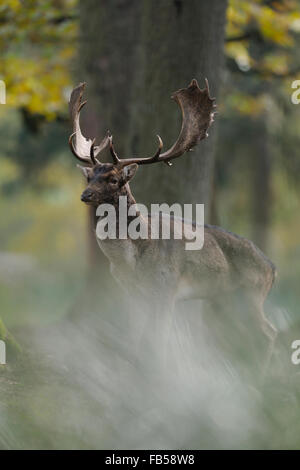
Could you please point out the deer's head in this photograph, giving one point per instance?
(106, 181)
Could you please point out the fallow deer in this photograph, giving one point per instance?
(160, 272)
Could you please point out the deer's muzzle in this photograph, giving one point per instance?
(87, 195)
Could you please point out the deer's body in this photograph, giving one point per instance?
(157, 273)
(226, 263)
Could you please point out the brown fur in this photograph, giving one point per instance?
(157, 273)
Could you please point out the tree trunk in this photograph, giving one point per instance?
(179, 41)
(262, 194)
(109, 32)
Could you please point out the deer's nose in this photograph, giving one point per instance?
(86, 195)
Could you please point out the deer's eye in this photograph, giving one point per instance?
(113, 180)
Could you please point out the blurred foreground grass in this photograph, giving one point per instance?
(76, 384)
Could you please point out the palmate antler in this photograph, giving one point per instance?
(83, 149)
(197, 116)
(197, 109)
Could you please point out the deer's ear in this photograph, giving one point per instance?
(129, 171)
(85, 170)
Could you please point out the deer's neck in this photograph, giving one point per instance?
(121, 251)
(125, 192)
(122, 201)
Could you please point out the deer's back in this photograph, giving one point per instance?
(247, 265)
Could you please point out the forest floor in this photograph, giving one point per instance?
(57, 397)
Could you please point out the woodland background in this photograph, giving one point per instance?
(133, 54)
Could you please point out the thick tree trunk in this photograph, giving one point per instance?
(109, 32)
(180, 41)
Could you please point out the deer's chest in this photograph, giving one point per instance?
(122, 254)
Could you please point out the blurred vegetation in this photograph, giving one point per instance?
(43, 229)
(37, 42)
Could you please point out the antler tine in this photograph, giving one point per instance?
(207, 87)
(143, 161)
(92, 153)
(81, 105)
(114, 155)
(158, 152)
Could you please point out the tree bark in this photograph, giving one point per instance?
(109, 32)
(179, 41)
